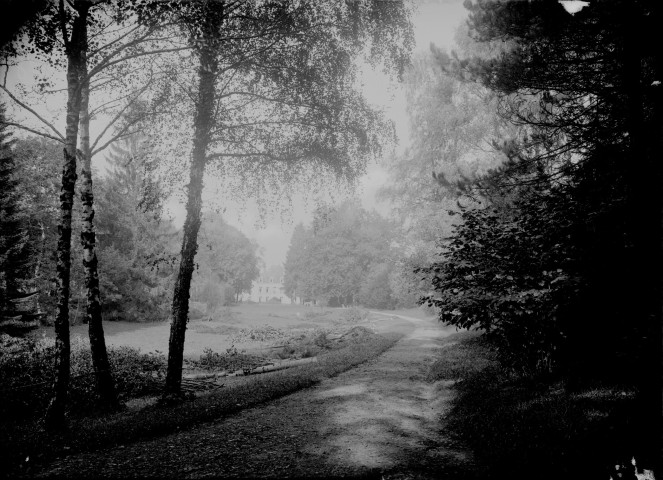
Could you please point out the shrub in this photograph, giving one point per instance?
(508, 269)
(230, 361)
(320, 339)
(29, 373)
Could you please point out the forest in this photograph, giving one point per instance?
(525, 205)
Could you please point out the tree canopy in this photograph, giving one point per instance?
(226, 256)
(331, 260)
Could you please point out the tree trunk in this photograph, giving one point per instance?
(40, 260)
(55, 414)
(180, 306)
(102, 369)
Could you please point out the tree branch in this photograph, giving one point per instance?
(36, 132)
(49, 125)
(63, 25)
(123, 133)
(120, 113)
(99, 67)
(108, 45)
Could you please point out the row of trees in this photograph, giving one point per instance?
(348, 255)
(134, 244)
(264, 92)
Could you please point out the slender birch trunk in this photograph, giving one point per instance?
(180, 306)
(40, 260)
(102, 369)
(55, 414)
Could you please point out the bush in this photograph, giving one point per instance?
(230, 361)
(320, 339)
(508, 269)
(28, 375)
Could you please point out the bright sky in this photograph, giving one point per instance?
(434, 21)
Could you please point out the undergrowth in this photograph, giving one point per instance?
(524, 428)
(28, 372)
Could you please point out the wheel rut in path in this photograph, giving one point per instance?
(381, 419)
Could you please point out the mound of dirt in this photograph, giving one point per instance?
(358, 332)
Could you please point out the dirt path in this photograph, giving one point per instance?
(377, 420)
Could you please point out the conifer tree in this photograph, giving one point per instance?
(14, 245)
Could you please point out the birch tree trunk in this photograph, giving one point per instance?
(40, 260)
(102, 369)
(180, 306)
(75, 46)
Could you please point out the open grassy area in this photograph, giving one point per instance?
(89, 433)
(523, 429)
(219, 332)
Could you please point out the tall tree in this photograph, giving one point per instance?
(105, 382)
(136, 245)
(75, 46)
(37, 160)
(333, 259)
(595, 133)
(114, 42)
(453, 125)
(294, 268)
(275, 99)
(14, 242)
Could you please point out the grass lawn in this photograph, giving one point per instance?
(215, 334)
(523, 429)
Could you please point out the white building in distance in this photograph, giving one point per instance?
(269, 290)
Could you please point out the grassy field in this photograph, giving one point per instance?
(228, 327)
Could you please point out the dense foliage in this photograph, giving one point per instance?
(227, 264)
(339, 255)
(557, 253)
(570, 206)
(512, 270)
(136, 246)
(14, 265)
(453, 125)
(27, 370)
